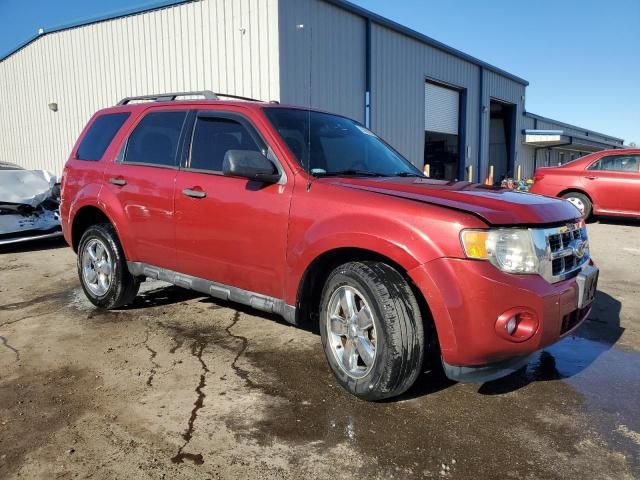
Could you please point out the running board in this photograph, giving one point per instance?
(217, 290)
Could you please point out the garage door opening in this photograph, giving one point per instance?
(442, 131)
(501, 138)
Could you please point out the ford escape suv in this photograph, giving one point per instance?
(313, 217)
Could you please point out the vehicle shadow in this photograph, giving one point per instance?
(575, 353)
(34, 245)
(164, 295)
(570, 356)
(629, 222)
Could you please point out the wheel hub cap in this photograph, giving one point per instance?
(579, 204)
(97, 267)
(351, 332)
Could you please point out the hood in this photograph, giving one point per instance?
(496, 206)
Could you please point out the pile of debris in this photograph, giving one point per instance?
(29, 204)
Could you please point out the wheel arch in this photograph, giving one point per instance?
(309, 290)
(82, 219)
(576, 190)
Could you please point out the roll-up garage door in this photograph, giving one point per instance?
(442, 109)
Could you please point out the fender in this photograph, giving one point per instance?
(85, 197)
(388, 237)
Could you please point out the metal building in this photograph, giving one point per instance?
(434, 104)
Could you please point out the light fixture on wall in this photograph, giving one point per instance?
(484, 109)
(53, 107)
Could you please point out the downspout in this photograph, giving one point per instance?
(481, 113)
(367, 75)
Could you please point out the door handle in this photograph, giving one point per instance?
(591, 177)
(192, 192)
(119, 181)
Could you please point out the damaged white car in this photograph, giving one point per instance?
(29, 204)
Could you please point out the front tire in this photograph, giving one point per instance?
(371, 329)
(581, 202)
(102, 268)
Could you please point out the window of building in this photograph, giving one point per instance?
(442, 131)
(100, 135)
(618, 163)
(213, 137)
(155, 139)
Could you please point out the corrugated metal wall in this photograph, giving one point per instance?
(400, 67)
(556, 156)
(548, 124)
(224, 45)
(322, 64)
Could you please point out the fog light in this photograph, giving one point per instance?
(517, 325)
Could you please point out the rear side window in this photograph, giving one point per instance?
(618, 163)
(155, 139)
(213, 138)
(100, 135)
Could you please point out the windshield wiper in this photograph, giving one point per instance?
(349, 173)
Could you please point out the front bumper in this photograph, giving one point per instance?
(466, 298)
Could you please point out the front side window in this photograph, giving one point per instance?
(618, 163)
(328, 144)
(213, 137)
(155, 139)
(100, 134)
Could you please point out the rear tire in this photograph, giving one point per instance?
(581, 202)
(102, 268)
(371, 329)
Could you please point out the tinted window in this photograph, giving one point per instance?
(155, 139)
(618, 163)
(331, 144)
(213, 137)
(99, 136)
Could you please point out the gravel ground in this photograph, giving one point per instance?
(183, 386)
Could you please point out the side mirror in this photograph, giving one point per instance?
(250, 164)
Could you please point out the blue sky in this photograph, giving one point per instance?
(581, 57)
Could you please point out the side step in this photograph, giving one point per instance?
(217, 290)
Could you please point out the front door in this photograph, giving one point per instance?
(230, 230)
(614, 183)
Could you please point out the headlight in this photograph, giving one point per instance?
(509, 249)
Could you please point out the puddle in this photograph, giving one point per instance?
(606, 376)
(608, 379)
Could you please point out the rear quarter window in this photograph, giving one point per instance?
(100, 134)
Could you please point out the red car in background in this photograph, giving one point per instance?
(603, 183)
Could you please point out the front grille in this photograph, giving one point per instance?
(560, 240)
(566, 251)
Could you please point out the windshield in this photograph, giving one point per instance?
(337, 146)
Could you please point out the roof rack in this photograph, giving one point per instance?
(169, 97)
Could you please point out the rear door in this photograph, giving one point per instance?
(142, 181)
(230, 230)
(614, 184)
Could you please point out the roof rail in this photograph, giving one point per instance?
(238, 97)
(168, 97)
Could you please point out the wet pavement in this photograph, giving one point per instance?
(183, 386)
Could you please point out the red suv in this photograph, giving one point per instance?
(603, 183)
(311, 216)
